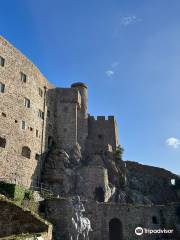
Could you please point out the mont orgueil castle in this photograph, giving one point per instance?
(62, 175)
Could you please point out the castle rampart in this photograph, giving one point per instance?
(102, 131)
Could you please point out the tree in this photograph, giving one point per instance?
(119, 152)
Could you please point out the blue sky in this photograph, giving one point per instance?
(128, 52)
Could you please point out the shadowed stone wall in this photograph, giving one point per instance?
(101, 132)
(14, 220)
(130, 217)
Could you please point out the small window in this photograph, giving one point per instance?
(31, 129)
(154, 220)
(100, 136)
(48, 113)
(2, 142)
(2, 87)
(23, 125)
(3, 114)
(99, 194)
(37, 156)
(40, 92)
(37, 133)
(41, 114)
(50, 141)
(15, 121)
(26, 152)
(173, 182)
(2, 61)
(23, 77)
(26, 102)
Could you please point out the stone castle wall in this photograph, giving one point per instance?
(67, 103)
(16, 221)
(34, 115)
(13, 111)
(82, 117)
(101, 132)
(132, 216)
(129, 216)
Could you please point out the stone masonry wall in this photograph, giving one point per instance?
(67, 103)
(82, 116)
(130, 216)
(14, 220)
(48, 114)
(13, 165)
(102, 132)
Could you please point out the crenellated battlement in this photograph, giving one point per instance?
(101, 118)
(102, 131)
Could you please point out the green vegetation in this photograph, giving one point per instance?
(15, 192)
(119, 152)
(28, 195)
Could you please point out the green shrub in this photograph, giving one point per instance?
(19, 193)
(28, 195)
(119, 152)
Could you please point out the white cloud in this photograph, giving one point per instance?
(109, 73)
(173, 142)
(128, 20)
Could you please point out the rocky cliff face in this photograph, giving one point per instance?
(150, 184)
(105, 178)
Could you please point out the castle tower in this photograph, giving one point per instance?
(82, 115)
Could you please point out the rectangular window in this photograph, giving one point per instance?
(41, 114)
(37, 133)
(23, 77)
(2, 61)
(37, 156)
(2, 87)
(48, 113)
(3, 114)
(40, 92)
(23, 125)
(26, 102)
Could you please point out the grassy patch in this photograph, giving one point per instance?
(15, 192)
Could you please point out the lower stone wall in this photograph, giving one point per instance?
(58, 212)
(105, 216)
(128, 218)
(15, 221)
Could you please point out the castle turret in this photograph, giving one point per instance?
(82, 128)
(82, 87)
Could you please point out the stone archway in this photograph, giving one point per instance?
(115, 229)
